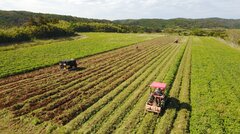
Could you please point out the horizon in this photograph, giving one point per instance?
(133, 9)
(118, 19)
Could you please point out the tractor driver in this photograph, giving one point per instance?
(157, 92)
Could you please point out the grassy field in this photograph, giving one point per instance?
(29, 56)
(110, 94)
(215, 87)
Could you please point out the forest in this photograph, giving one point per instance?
(20, 26)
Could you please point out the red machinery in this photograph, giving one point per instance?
(157, 98)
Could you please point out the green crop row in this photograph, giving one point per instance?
(181, 123)
(164, 124)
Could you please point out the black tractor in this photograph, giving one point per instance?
(68, 64)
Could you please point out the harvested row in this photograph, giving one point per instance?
(181, 124)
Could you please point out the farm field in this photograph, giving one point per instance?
(215, 87)
(30, 56)
(108, 93)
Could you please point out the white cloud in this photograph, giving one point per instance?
(122, 9)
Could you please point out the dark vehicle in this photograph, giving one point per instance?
(68, 64)
(176, 41)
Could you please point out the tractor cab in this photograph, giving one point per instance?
(157, 98)
(68, 64)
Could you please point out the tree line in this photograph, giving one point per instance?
(43, 28)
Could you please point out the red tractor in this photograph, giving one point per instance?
(157, 98)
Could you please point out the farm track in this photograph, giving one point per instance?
(48, 86)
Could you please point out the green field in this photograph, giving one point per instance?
(110, 93)
(16, 59)
(215, 87)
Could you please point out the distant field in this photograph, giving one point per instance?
(29, 56)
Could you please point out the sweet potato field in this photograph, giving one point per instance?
(108, 92)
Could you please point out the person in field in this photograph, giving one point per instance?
(157, 92)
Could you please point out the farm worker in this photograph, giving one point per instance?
(150, 99)
(158, 92)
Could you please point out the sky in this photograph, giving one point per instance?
(130, 9)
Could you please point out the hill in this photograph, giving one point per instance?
(183, 23)
(19, 18)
